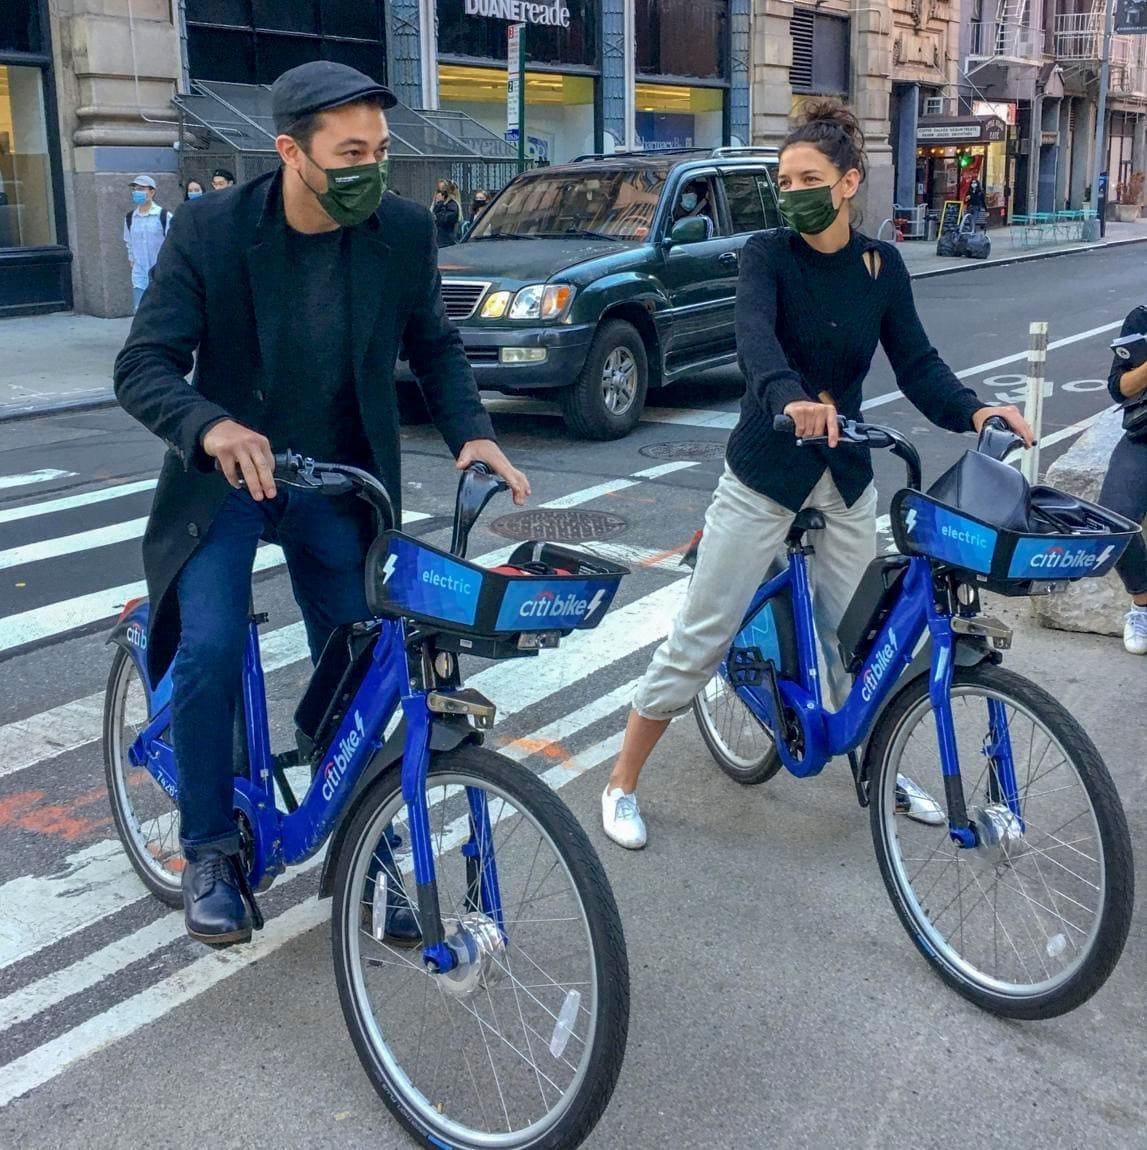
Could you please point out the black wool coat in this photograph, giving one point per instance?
(220, 297)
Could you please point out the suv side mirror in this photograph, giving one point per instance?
(690, 230)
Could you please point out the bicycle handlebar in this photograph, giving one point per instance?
(334, 479)
(854, 432)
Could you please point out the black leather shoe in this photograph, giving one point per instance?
(213, 901)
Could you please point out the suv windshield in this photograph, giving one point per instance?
(610, 205)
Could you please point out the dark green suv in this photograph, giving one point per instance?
(595, 281)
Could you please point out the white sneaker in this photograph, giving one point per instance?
(917, 804)
(621, 819)
(1135, 631)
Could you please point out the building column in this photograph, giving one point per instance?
(617, 62)
(771, 58)
(116, 73)
(404, 52)
(740, 69)
(871, 95)
(1083, 147)
(907, 97)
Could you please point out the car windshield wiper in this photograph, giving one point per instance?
(500, 236)
(579, 233)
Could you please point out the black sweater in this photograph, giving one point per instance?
(809, 322)
(1134, 324)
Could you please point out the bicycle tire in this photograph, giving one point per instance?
(1081, 755)
(115, 700)
(570, 841)
(749, 771)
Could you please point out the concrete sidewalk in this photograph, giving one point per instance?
(53, 362)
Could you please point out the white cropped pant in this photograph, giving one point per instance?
(744, 531)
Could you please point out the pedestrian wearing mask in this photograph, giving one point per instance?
(193, 191)
(976, 202)
(1125, 485)
(289, 296)
(144, 230)
(477, 207)
(447, 208)
(813, 301)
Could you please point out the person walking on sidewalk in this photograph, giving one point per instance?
(1125, 484)
(144, 230)
(813, 301)
(290, 295)
(447, 209)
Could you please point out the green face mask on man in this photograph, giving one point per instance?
(809, 210)
(353, 194)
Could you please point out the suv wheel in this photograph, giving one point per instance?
(609, 396)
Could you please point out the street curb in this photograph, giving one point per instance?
(12, 413)
(1003, 261)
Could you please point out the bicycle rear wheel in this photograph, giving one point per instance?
(1031, 921)
(741, 744)
(146, 817)
(522, 1048)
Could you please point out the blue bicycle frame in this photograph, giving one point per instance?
(281, 839)
(826, 733)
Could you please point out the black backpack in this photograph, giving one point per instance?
(164, 219)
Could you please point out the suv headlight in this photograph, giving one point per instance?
(542, 301)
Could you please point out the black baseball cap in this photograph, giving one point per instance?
(319, 85)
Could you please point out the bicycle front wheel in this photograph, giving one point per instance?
(522, 1046)
(1030, 922)
(740, 743)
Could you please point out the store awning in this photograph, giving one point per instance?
(948, 130)
(240, 116)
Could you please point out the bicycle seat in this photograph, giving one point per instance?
(986, 489)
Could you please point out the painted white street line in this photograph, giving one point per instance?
(70, 614)
(113, 533)
(53, 1058)
(612, 486)
(44, 475)
(682, 416)
(69, 502)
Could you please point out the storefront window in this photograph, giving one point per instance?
(19, 26)
(682, 38)
(559, 109)
(27, 216)
(675, 116)
(255, 41)
(477, 28)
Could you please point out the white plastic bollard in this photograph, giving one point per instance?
(1033, 402)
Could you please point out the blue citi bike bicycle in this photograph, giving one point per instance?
(506, 1027)
(998, 831)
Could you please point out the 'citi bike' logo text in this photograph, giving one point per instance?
(1058, 558)
(334, 770)
(876, 671)
(548, 605)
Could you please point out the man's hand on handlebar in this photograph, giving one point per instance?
(488, 452)
(814, 420)
(1011, 415)
(244, 457)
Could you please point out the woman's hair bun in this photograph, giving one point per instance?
(834, 130)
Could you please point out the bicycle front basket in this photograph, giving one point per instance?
(1058, 548)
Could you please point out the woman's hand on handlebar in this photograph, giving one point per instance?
(814, 420)
(1011, 415)
(244, 457)
(488, 452)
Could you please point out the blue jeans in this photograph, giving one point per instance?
(136, 296)
(325, 540)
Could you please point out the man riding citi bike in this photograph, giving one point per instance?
(293, 293)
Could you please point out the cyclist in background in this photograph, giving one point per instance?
(813, 301)
(296, 353)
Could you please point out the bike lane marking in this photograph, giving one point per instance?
(44, 475)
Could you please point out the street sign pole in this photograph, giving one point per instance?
(1101, 124)
(516, 89)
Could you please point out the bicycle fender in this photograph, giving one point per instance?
(130, 633)
(446, 734)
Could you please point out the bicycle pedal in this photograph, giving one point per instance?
(747, 667)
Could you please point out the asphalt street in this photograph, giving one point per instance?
(776, 999)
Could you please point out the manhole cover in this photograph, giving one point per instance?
(692, 450)
(559, 526)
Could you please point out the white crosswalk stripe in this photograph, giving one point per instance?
(95, 881)
(44, 475)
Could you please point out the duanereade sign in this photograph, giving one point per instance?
(521, 11)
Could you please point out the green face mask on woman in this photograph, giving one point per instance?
(809, 210)
(353, 194)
